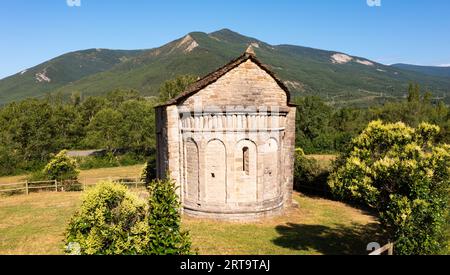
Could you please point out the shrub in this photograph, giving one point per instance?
(401, 173)
(165, 220)
(38, 175)
(309, 175)
(114, 221)
(62, 167)
(111, 221)
(148, 173)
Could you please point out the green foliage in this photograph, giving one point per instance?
(165, 220)
(32, 130)
(312, 124)
(399, 171)
(148, 173)
(126, 122)
(172, 88)
(38, 175)
(309, 175)
(322, 129)
(62, 167)
(102, 129)
(413, 92)
(111, 221)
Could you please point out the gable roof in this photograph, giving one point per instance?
(214, 76)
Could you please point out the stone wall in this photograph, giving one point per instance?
(246, 85)
(230, 146)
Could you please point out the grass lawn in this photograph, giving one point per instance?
(35, 224)
(317, 226)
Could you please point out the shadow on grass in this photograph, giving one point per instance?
(338, 240)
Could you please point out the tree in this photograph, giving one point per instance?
(116, 97)
(404, 175)
(148, 173)
(309, 174)
(413, 92)
(174, 87)
(165, 220)
(104, 129)
(62, 167)
(313, 125)
(137, 126)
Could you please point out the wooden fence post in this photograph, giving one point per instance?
(56, 185)
(26, 187)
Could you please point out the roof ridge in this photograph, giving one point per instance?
(218, 73)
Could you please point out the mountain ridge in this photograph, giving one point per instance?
(443, 71)
(336, 76)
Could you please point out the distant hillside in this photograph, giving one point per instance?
(338, 77)
(429, 70)
(60, 71)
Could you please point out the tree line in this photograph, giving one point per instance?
(321, 128)
(33, 130)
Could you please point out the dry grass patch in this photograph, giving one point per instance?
(35, 224)
(91, 175)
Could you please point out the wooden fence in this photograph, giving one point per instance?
(27, 187)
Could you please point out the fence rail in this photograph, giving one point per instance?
(68, 185)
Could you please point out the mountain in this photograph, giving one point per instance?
(60, 71)
(338, 77)
(428, 70)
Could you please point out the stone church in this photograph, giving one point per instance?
(228, 141)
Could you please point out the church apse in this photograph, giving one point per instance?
(228, 142)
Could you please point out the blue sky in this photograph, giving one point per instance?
(414, 31)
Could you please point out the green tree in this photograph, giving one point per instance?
(400, 172)
(165, 220)
(413, 92)
(314, 133)
(148, 173)
(117, 97)
(174, 87)
(62, 167)
(104, 129)
(137, 126)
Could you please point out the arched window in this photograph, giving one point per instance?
(246, 160)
